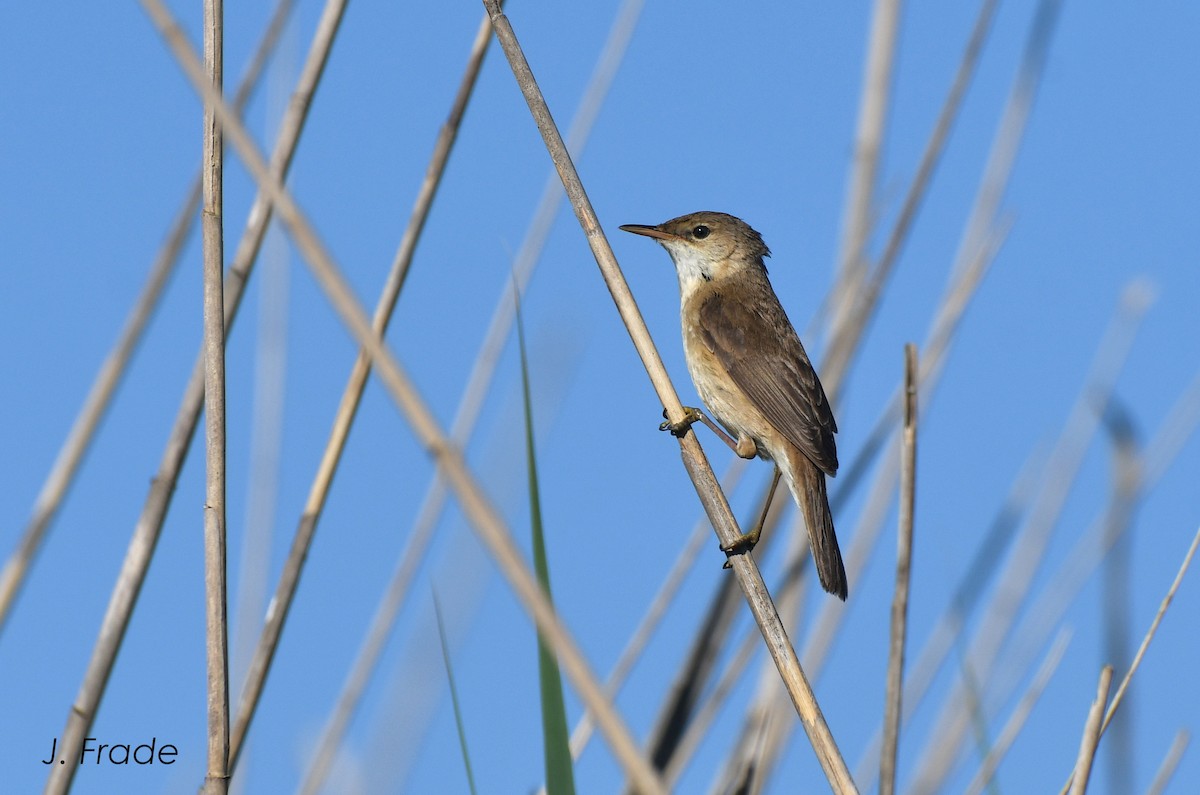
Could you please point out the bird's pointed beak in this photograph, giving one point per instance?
(648, 231)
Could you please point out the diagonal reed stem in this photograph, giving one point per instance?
(846, 336)
(483, 516)
(1072, 782)
(1015, 581)
(697, 465)
(289, 579)
(150, 522)
(1012, 727)
(860, 198)
(478, 384)
(1170, 763)
(95, 405)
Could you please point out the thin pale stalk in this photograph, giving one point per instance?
(697, 465)
(1011, 129)
(529, 253)
(863, 301)
(477, 387)
(1089, 551)
(654, 613)
(1091, 734)
(699, 664)
(1170, 763)
(706, 713)
(112, 371)
(864, 174)
(216, 780)
(472, 401)
(1016, 721)
(150, 522)
(1158, 617)
(1095, 543)
(476, 506)
(1141, 652)
(766, 725)
(904, 536)
(970, 587)
(289, 579)
(1016, 580)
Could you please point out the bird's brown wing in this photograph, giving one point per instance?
(764, 357)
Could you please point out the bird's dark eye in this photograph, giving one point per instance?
(700, 232)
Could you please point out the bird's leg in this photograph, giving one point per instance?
(747, 541)
(693, 415)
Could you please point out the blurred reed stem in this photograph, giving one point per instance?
(150, 522)
(112, 371)
(483, 516)
(289, 579)
(1016, 722)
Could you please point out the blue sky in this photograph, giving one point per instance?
(751, 112)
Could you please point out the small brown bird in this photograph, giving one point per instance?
(751, 370)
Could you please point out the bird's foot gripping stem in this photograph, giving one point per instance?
(741, 545)
(678, 429)
(746, 541)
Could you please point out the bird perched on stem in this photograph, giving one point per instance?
(751, 370)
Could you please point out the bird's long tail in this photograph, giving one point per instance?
(807, 484)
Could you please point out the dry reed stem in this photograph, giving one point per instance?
(904, 536)
(474, 393)
(150, 522)
(483, 516)
(864, 300)
(216, 780)
(651, 619)
(1150, 633)
(697, 465)
(112, 371)
(1091, 734)
(765, 726)
(1170, 762)
(699, 664)
(289, 578)
(706, 713)
(530, 250)
(1011, 129)
(934, 353)
(1016, 721)
(860, 207)
(954, 618)
(1016, 580)
(1095, 543)
(1046, 613)
(479, 382)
